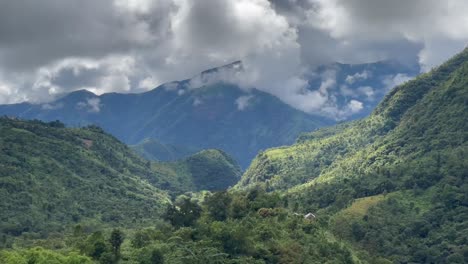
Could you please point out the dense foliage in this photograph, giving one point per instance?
(252, 227)
(391, 188)
(416, 142)
(152, 149)
(52, 177)
(211, 170)
(203, 118)
(173, 120)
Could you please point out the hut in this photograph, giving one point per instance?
(309, 216)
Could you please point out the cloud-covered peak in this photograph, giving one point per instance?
(91, 105)
(54, 47)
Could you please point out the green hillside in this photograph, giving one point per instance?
(184, 119)
(74, 195)
(211, 170)
(52, 176)
(393, 184)
(424, 117)
(206, 112)
(391, 188)
(152, 149)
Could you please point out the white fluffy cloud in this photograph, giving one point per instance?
(350, 79)
(91, 105)
(440, 28)
(134, 45)
(243, 102)
(392, 81)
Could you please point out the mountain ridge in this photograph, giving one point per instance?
(99, 181)
(214, 115)
(390, 188)
(385, 117)
(392, 185)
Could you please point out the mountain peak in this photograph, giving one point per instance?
(412, 121)
(233, 66)
(402, 97)
(78, 95)
(82, 92)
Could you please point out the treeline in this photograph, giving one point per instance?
(243, 227)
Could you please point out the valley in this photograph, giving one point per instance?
(208, 112)
(388, 188)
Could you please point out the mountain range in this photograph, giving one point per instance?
(99, 178)
(388, 188)
(394, 184)
(215, 114)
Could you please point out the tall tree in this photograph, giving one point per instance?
(116, 240)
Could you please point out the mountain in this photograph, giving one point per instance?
(390, 188)
(52, 176)
(211, 170)
(202, 118)
(322, 153)
(201, 112)
(395, 184)
(152, 149)
(73, 195)
(364, 84)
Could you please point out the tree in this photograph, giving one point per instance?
(56, 124)
(186, 215)
(218, 205)
(150, 255)
(116, 240)
(141, 239)
(156, 257)
(95, 245)
(358, 231)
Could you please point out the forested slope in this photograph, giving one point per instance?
(408, 123)
(52, 176)
(393, 184)
(390, 188)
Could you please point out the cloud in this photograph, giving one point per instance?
(110, 74)
(370, 24)
(350, 79)
(230, 73)
(391, 81)
(50, 47)
(351, 108)
(368, 91)
(197, 102)
(148, 83)
(91, 105)
(52, 106)
(47, 31)
(243, 102)
(5, 93)
(181, 92)
(354, 106)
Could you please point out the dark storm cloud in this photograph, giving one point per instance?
(50, 47)
(326, 49)
(376, 24)
(71, 79)
(34, 33)
(292, 8)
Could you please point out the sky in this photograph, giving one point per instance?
(51, 47)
